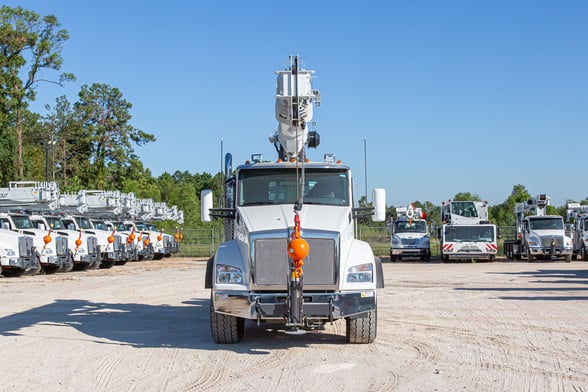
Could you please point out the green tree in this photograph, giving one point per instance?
(105, 117)
(466, 196)
(503, 214)
(29, 43)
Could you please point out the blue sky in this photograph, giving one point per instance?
(450, 96)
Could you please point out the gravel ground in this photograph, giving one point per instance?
(499, 326)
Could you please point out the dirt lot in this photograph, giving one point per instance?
(499, 326)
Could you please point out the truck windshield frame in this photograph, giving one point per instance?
(279, 185)
(473, 233)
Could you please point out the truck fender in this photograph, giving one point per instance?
(208, 276)
(379, 273)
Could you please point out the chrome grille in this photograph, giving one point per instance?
(409, 241)
(25, 246)
(92, 245)
(61, 245)
(546, 240)
(271, 266)
(117, 245)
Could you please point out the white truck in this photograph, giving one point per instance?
(17, 254)
(409, 234)
(290, 256)
(579, 213)
(49, 246)
(466, 232)
(539, 236)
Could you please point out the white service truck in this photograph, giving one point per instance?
(290, 256)
(409, 234)
(539, 236)
(579, 213)
(466, 232)
(17, 254)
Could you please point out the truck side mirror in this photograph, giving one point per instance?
(205, 205)
(379, 201)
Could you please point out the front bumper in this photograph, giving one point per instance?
(274, 306)
(410, 251)
(549, 252)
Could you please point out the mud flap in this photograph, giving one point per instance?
(379, 273)
(208, 276)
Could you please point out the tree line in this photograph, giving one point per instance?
(89, 143)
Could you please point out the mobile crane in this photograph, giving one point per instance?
(538, 235)
(290, 256)
(466, 232)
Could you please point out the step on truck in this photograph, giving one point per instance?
(290, 256)
(409, 234)
(539, 236)
(466, 232)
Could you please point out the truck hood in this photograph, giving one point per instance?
(281, 217)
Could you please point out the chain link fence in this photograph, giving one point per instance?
(204, 242)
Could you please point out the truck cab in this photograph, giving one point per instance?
(544, 237)
(409, 234)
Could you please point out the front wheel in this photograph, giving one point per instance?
(225, 328)
(362, 328)
(583, 255)
(568, 258)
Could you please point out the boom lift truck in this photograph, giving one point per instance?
(410, 234)
(78, 208)
(49, 248)
(538, 235)
(466, 232)
(290, 255)
(579, 213)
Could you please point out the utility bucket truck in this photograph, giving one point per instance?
(466, 232)
(579, 213)
(290, 255)
(410, 234)
(50, 248)
(538, 235)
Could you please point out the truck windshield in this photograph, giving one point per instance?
(472, 233)
(84, 223)
(279, 186)
(22, 222)
(56, 223)
(100, 225)
(547, 223)
(464, 208)
(416, 226)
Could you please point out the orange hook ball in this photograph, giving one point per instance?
(298, 249)
(47, 239)
(78, 242)
(110, 239)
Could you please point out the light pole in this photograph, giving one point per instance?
(48, 145)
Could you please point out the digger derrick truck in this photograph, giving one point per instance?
(579, 213)
(17, 254)
(85, 202)
(290, 256)
(538, 235)
(409, 234)
(50, 248)
(466, 232)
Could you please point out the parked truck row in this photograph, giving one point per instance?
(43, 231)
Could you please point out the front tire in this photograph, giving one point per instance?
(362, 328)
(583, 255)
(225, 328)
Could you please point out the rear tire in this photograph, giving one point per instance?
(568, 258)
(362, 328)
(583, 255)
(225, 328)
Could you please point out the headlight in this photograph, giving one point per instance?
(395, 241)
(534, 242)
(228, 274)
(426, 241)
(47, 251)
(10, 252)
(360, 273)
